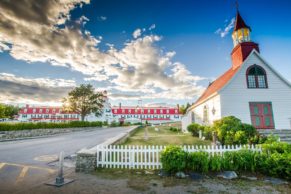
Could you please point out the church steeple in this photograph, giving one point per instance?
(241, 31)
(243, 45)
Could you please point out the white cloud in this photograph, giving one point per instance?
(136, 33)
(14, 89)
(139, 69)
(226, 30)
(102, 18)
(153, 26)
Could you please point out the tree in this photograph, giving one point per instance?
(183, 108)
(11, 111)
(83, 100)
(8, 111)
(2, 111)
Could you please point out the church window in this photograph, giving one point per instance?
(192, 117)
(205, 115)
(256, 77)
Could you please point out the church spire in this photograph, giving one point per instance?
(243, 45)
(241, 31)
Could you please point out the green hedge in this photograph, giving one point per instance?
(43, 125)
(274, 160)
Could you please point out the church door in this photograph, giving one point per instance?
(262, 115)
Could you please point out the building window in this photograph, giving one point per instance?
(25, 110)
(192, 117)
(47, 110)
(123, 111)
(155, 111)
(205, 115)
(256, 77)
(168, 111)
(262, 115)
(40, 110)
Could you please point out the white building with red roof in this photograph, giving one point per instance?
(154, 115)
(46, 114)
(251, 90)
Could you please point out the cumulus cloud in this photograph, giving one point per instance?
(136, 33)
(223, 32)
(41, 31)
(20, 89)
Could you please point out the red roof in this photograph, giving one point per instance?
(43, 110)
(239, 23)
(216, 85)
(146, 110)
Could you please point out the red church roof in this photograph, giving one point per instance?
(239, 23)
(216, 85)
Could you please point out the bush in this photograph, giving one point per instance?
(194, 128)
(198, 161)
(274, 160)
(230, 130)
(174, 129)
(208, 132)
(174, 159)
(42, 125)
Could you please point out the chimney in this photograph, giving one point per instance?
(119, 105)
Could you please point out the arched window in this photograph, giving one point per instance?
(205, 115)
(256, 77)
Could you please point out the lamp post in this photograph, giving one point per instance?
(141, 114)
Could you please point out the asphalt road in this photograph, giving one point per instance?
(42, 150)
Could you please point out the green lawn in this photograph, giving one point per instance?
(164, 137)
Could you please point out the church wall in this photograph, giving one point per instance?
(235, 97)
(211, 104)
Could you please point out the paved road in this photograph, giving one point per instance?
(40, 151)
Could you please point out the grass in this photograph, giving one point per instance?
(164, 137)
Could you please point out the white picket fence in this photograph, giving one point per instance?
(148, 157)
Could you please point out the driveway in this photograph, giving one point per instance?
(26, 161)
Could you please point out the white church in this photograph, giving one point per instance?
(251, 90)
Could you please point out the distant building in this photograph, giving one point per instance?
(46, 114)
(132, 114)
(152, 115)
(251, 90)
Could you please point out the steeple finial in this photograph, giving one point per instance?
(236, 5)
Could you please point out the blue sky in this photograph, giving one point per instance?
(175, 53)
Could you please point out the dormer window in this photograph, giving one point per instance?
(256, 77)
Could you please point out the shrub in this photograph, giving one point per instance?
(194, 128)
(274, 160)
(207, 132)
(173, 159)
(230, 130)
(198, 161)
(114, 124)
(174, 129)
(215, 163)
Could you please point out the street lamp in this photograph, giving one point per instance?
(145, 129)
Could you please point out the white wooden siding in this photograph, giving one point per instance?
(213, 102)
(235, 97)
